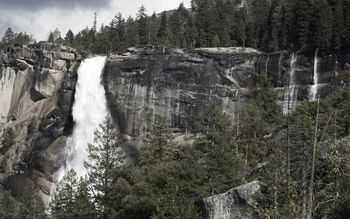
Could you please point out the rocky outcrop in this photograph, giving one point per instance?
(36, 94)
(177, 84)
(235, 203)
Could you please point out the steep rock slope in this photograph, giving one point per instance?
(36, 95)
(176, 84)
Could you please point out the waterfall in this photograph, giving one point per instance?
(314, 87)
(89, 110)
(280, 67)
(291, 91)
(7, 85)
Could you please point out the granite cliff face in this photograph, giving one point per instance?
(36, 95)
(145, 83)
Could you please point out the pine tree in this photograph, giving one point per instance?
(104, 155)
(240, 27)
(117, 33)
(338, 24)
(32, 206)
(163, 33)
(321, 27)
(276, 25)
(339, 158)
(72, 199)
(190, 33)
(69, 39)
(63, 202)
(51, 37)
(157, 144)
(8, 36)
(84, 206)
(214, 141)
(132, 35)
(153, 29)
(347, 21)
(303, 22)
(260, 10)
(142, 26)
(279, 198)
(201, 9)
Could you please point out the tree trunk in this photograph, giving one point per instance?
(311, 186)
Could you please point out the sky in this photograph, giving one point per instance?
(39, 17)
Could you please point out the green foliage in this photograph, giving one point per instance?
(11, 38)
(266, 98)
(267, 25)
(72, 199)
(170, 177)
(142, 26)
(9, 207)
(104, 155)
(339, 159)
(279, 197)
(69, 38)
(55, 36)
(158, 144)
(32, 206)
(163, 33)
(8, 138)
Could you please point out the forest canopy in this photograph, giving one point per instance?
(268, 25)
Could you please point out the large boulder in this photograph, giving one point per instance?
(233, 204)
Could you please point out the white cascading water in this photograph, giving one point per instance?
(291, 91)
(7, 84)
(280, 67)
(314, 87)
(89, 110)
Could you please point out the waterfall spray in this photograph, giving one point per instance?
(291, 91)
(89, 110)
(314, 88)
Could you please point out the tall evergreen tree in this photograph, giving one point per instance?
(132, 35)
(163, 33)
(338, 24)
(321, 27)
(69, 39)
(63, 202)
(157, 143)
(142, 26)
(8, 36)
(104, 155)
(304, 16)
(117, 33)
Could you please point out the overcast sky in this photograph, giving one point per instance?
(39, 17)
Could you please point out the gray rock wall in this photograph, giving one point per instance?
(145, 83)
(36, 94)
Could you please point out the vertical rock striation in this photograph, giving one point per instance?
(36, 95)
